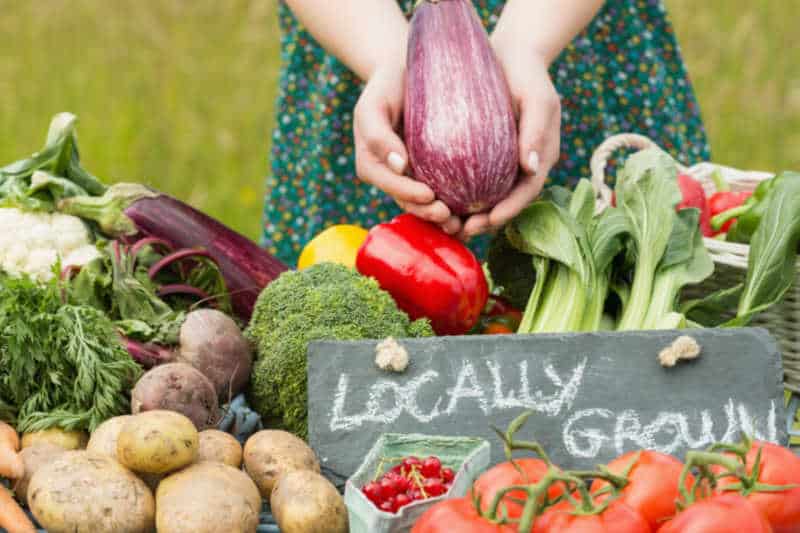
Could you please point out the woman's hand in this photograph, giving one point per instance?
(381, 156)
(538, 108)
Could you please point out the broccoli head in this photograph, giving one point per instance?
(323, 302)
(511, 270)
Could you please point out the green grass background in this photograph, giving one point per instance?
(179, 93)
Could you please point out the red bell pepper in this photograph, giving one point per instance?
(692, 195)
(721, 202)
(429, 273)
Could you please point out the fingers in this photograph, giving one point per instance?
(539, 133)
(381, 156)
(521, 197)
(436, 212)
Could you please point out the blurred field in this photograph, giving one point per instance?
(179, 93)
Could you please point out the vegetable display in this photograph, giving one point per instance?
(428, 273)
(323, 302)
(460, 129)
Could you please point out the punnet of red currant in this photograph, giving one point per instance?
(410, 479)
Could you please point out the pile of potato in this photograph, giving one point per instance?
(154, 471)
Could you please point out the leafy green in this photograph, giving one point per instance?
(60, 365)
(40, 181)
(510, 270)
(686, 261)
(647, 193)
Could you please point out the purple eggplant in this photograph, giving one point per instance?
(127, 210)
(459, 122)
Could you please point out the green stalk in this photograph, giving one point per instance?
(542, 268)
(719, 220)
(641, 293)
(593, 315)
(563, 304)
(662, 302)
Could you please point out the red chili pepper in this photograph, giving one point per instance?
(429, 273)
(693, 195)
(725, 201)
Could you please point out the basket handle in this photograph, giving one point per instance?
(603, 153)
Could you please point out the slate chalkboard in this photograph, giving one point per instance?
(594, 395)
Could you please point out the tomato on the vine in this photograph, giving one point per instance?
(652, 487)
(778, 466)
(457, 514)
(720, 513)
(617, 518)
(506, 474)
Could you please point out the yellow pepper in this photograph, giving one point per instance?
(336, 244)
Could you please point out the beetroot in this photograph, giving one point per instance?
(459, 121)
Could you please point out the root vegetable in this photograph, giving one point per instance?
(12, 518)
(34, 457)
(157, 442)
(212, 343)
(68, 440)
(269, 454)
(305, 502)
(11, 465)
(177, 387)
(208, 498)
(104, 439)
(84, 492)
(221, 447)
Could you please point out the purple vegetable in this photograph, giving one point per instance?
(459, 120)
(129, 209)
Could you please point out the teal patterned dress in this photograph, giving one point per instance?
(624, 73)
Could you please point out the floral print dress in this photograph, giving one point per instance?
(624, 73)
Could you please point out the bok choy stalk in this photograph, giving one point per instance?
(561, 254)
(647, 193)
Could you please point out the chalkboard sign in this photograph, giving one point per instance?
(594, 396)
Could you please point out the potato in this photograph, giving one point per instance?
(33, 457)
(270, 453)
(104, 438)
(157, 442)
(82, 491)
(177, 387)
(305, 502)
(207, 498)
(68, 440)
(221, 447)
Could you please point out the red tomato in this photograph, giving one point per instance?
(617, 518)
(721, 513)
(653, 486)
(504, 475)
(457, 514)
(779, 466)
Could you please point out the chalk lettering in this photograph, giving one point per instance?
(593, 439)
(467, 386)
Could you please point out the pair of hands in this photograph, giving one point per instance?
(382, 159)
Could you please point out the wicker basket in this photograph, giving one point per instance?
(730, 259)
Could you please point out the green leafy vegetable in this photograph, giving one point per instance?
(48, 176)
(60, 365)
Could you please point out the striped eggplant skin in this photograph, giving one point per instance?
(459, 124)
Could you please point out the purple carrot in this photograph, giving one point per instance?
(130, 209)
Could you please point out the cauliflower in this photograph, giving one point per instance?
(31, 243)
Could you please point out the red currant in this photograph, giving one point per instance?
(434, 487)
(388, 488)
(431, 467)
(401, 500)
(448, 475)
(387, 506)
(373, 492)
(415, 494)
